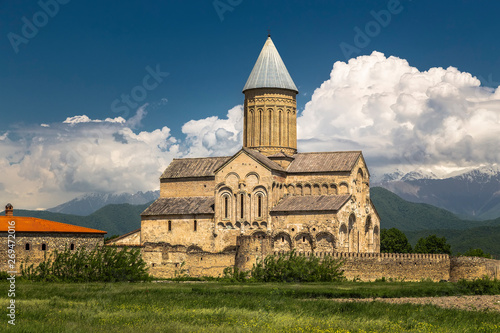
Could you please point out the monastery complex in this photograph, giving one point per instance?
(268, 198)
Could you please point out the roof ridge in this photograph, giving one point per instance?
(273, 164)
(330, 152)
(56, 226)
(199, 158)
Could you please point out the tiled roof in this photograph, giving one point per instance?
(193, 167)
(33, 224)
(312, 203)
(263, 159)
(182, 205)
(269, 71)
(280, 154)
(324, 162)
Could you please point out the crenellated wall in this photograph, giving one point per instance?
(166, 261)
(398, 266)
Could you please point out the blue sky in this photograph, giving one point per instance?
(90, 53)
(93, 51)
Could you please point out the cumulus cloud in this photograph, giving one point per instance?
(45, 166)
(402, 117)
(439, 119)
(213, 136)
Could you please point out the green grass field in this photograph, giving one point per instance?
(219, 307)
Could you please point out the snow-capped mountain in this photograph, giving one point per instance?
(473, 193)
(89, 203)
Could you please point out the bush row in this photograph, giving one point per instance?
(104, 264)
(289, 267)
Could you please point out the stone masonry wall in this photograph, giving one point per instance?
(473, 268)
(191, 187)
(166, 261)
(52, 241)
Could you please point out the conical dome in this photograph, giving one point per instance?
(269, 70)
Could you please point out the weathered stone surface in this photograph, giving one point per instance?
(52, 241)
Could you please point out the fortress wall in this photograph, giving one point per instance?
(166, 261)
(473, 268)
(407, 267)
(251, 250)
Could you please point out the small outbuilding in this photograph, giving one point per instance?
(27, 240)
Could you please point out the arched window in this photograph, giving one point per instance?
(259, 205)
(250, 129)
(169, 225)
(260, 127)
(242, 205)
(351, 233)
(280, 131)
(226, 207)
(343, 238)
(195, 225)
(27, 247)
(270, 127)
(44, 247)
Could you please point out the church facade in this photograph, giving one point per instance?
(310, 202)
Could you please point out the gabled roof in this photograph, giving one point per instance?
(312, 203)
(180, 206)
(262, 159)
(33, 224)
(193, 167)
(343, 161)
(269, 70)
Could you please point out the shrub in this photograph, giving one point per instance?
(233, 274)
(293, 268)
(484, 286)
(105, 264)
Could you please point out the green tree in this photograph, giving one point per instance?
(394, 241)
(432, 244)
(475, 253)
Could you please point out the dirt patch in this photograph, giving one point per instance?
(470, 303)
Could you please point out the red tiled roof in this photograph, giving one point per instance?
(33, 224)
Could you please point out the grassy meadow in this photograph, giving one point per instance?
(247, 307)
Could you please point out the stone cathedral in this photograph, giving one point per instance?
(310, 202)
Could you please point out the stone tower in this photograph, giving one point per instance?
(270, 115)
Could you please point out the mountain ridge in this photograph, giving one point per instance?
(473, 194)
(91, 202)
